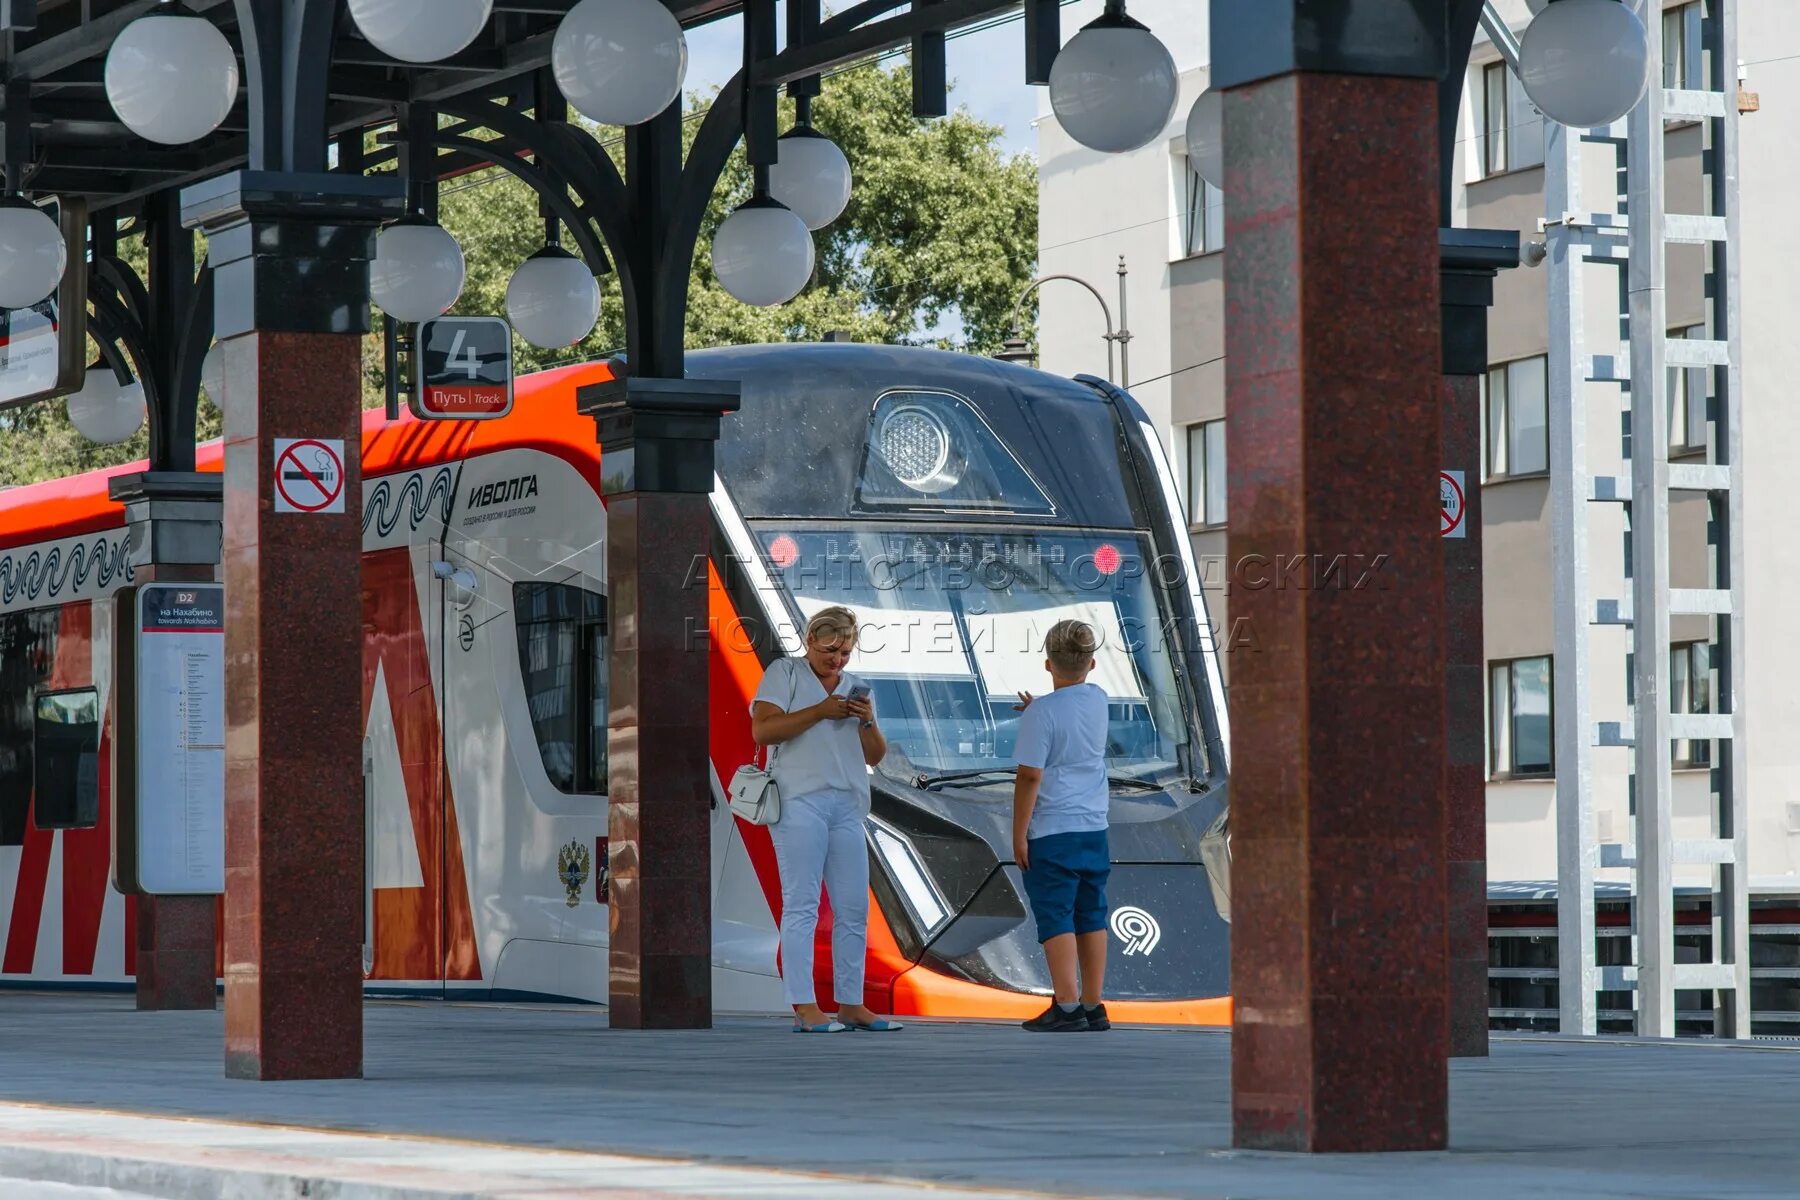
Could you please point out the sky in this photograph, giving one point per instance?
(987, 70)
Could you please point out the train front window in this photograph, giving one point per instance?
(952, 629)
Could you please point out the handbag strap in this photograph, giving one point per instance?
(769, 753)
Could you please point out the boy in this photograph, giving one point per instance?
(1060, 804)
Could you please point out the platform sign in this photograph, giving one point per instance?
(464, 369)
(43, 349)
(309, 475)
(1452, 505)
(169, 760)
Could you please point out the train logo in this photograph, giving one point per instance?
(572, 868)
(1136, 928)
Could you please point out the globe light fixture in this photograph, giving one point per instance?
(212, 375)
(1113, 87)
(1206, 137)
(105, 411)
(1585, 62)
(32, 255)
(171, 77)
(763, 252)
(812, 176)
(619, 62)
(421, 30)
(553, 299)
(418, 271)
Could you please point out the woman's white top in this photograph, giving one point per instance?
(828, 758)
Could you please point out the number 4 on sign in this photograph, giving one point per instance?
(462, 356)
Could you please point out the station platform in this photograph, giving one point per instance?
(508, 1102)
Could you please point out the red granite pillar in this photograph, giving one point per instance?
(656, 470)
(1465, 744)
(290, 256)
(1333, 383)
(174, 528)
(1469, 258)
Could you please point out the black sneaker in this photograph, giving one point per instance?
(1055, 1020)
(1096, 1018)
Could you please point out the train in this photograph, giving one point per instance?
(960, 505)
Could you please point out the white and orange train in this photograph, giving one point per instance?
(960, 505)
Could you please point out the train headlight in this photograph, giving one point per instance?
(909, 876)
(915, 443)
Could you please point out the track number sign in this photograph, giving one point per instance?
(465, 369)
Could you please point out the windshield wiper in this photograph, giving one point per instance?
(1121, 779)
(930, 782)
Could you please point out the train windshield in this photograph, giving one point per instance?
(953, 625)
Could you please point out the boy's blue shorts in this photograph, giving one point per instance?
(1067, 882)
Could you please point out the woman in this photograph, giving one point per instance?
(821, 719)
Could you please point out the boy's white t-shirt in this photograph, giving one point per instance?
(1064, 735)
(828, 758)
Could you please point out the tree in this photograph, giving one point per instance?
(941, 225)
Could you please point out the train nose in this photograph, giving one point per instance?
(958, 909)
(1166, 937)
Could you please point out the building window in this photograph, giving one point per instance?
(1690, 691)
(1519, 739)
(1206, 473)
(1202, 214)
(66, 746)
(1687, 401)
(1510, 130)
(1683, 53)
(1517, 429)
(562, 654)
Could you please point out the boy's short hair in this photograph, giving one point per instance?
(1070, 646)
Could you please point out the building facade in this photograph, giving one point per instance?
(1149, 207)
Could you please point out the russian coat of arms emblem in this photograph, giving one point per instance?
(573, 867)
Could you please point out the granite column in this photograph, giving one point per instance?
(290, 255)
(1333, 381)
(172, 520)
(656, 474)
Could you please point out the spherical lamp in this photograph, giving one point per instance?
(1113, 87)
(619, 62)
(103, 411)
(421, 30)
(553, 299)
(1585, 62)
(212, 375)
(418, 271)
(171, 76)
(1206, 137)
(812, 176)
(763, 253)
(32, 255)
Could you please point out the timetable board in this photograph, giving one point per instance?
(178, 744)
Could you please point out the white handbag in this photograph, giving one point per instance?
(754, 794)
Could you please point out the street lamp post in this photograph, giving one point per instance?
(1017, 349)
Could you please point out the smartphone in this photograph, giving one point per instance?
(861, 692)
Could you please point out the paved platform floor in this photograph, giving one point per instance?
(1136, 1112)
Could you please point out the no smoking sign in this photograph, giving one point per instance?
(309, 475)
(1451, 505)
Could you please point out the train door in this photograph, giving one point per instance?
(470, 793)
(404, 767)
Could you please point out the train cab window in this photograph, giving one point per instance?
(27, 650)
(66, 747)
(562, 656)
(933, 450)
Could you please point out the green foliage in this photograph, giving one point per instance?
(941, 224)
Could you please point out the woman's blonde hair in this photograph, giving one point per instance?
(1070, 647)
(834, 626)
